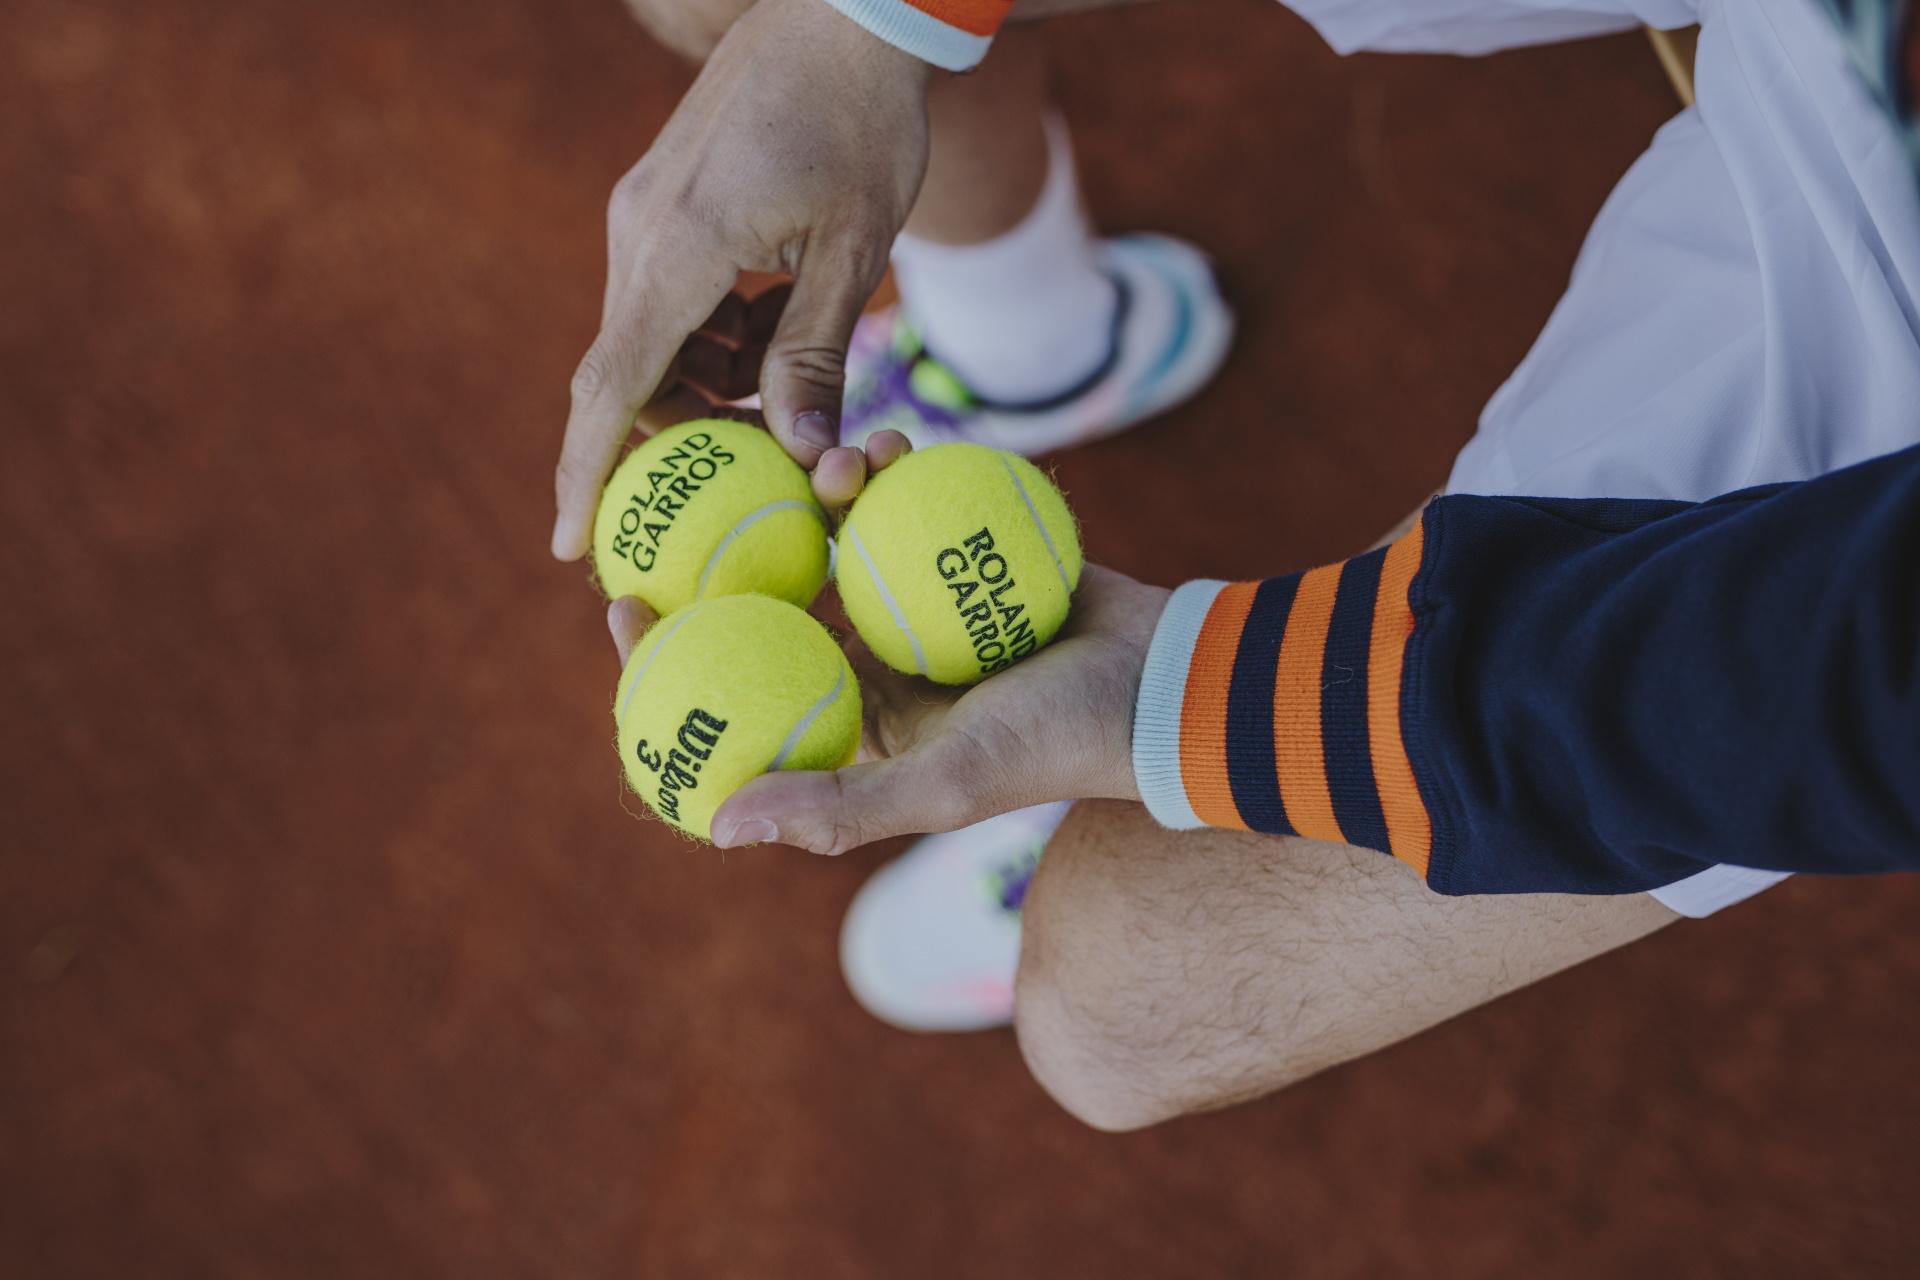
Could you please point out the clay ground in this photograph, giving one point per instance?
(327, 946)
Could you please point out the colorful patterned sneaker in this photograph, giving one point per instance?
(1171, 333)
(932, 939)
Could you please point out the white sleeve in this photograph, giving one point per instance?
(1480, 26)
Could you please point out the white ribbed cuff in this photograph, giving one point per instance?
(1156, 714)
(922, 35)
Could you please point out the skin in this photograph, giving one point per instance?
(1161, 972)
(1057, 726)
(800, 150)
(803, 148)
(1168, 972)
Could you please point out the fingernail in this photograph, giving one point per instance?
(813, 428)
(565, 543)
(752, 831)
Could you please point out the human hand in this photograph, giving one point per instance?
(1057, 726)
(799, 149)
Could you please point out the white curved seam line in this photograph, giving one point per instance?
(805, 722)
(893, 606)
(747, 522)
(1045, 536)
(627, 703)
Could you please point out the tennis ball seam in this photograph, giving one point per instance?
(887, 597)
(659, 646)
(1046, 535)
(747, 522)
(834, 713)
(805, 722)
(700, 510)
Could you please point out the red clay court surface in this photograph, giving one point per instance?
(329, 947)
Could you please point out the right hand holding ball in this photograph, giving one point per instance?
(957, 562)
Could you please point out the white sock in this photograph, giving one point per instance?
(1023, 316)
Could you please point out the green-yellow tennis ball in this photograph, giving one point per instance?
(727, 689)
(958, 561)
(709, 508)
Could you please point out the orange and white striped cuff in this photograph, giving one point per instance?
(1277, 706)
(953, 34)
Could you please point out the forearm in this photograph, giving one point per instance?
(1527, 695)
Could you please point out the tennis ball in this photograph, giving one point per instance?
(723, 691)
(958, 561)
(709, 508)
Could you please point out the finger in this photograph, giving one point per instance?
(884, 448)
(618, 375)
(842, 473)
(627, 620)
(839, 476)
(832, 812)
(805, 373)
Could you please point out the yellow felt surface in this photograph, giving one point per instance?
(952, 533)
(676, 499)
(712, 694)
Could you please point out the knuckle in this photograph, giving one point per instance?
(573, 475)
(592, 378)
(841, 837)
(978, 772)
(867, 254)
(812, 364)
(842, 829)
(627, 191)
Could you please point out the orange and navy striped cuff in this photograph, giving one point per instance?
(953, 34)
(1276, 706)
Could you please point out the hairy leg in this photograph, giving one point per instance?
(1166, 972)
(987, 154)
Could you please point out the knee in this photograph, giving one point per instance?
(1104, 1018)
(1090, 1067)
(691, 28)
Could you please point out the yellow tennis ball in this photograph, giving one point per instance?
(958, 561)
(709, 508)
(723, 691)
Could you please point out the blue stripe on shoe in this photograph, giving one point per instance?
(1176, 342)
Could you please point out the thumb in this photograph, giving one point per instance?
(832, 812)
(804, 377)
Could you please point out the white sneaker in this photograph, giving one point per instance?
(932, 940)
(1172, 330)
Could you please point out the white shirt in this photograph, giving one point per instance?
(1744, 309)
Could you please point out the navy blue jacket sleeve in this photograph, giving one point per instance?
(1528, 695)
(1615, 695)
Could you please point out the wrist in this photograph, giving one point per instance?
(955, 41)
(1143, 608)
(850, 47)
(1159, 702)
